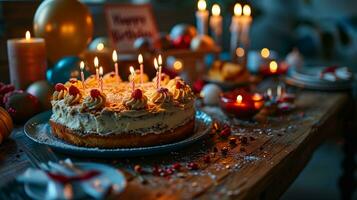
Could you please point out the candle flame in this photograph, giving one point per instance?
(81, 65)
(246, 10)
(237, 9)
(155, 64)
(101, 71)
(28, 35)
(239, 99)
(159, 60)
(273, 67)
(269, 92)
(257, 97)
(201, 5)
(265, 53)
(96, 62)
(178, 65)
(132, 71)
(216, 10)
(140, 59)
(240, 52)
(100, 46)
(115, 56)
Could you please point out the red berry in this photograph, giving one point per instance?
(94, 93)
(163, 90)
(176, 166)
(59, 87)
(73, 90)
(192, 166)
(207, 159)
(179, 85)
(138, 169)
(225, 132)
(168, 171)
(137, 94)
(73, 80)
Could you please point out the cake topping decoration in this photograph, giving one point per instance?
(137, 94)
(137, 100)
(74, 96)
(59, 87)
(60, 91)
(181, 92)
(95, 101)
(73, 90)
(161, 96)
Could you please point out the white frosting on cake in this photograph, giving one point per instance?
(117, 117)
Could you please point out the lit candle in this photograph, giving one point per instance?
(239, 99)
(115, 60)
(159, 61)
(132, 71)
(202, 17)
(27, 60)
(141, 62)
(81, 66)
(265, 53)
(241, 104)
(216, 23)
(246, 21)
(270, 93)
(273, 67)
(235, 26)
(96, 64)
(101, 78)
(157, 73)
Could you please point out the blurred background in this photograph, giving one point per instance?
(325, 32)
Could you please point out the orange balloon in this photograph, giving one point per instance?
(66, 26)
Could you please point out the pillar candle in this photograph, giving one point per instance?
(202, 17)
(216, 23)
(246, 21)
(235, 27)
(27, 60)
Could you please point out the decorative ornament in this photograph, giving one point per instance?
(181, 35)
(64, 69)
(43, 90)
(6, 124)
(210, 94)
(21, 105)
(66, 26)
(4, 89)
(95, 44)
(143, 44)
(202, 43)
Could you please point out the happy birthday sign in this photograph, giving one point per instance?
(127, 22)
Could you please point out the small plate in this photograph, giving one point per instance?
(116, 177)
(38, 130)
(309, 78)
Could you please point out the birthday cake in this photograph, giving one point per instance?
(118, 114)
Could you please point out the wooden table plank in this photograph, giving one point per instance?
(263, 168)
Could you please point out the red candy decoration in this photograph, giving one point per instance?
(192, 166)
(94, 93)
(176, 166)
(73, 90)
(59, 87)
(137, 94)
(179, 85)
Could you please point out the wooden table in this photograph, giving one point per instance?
(268, 156)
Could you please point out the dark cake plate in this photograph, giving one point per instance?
(39, 131)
